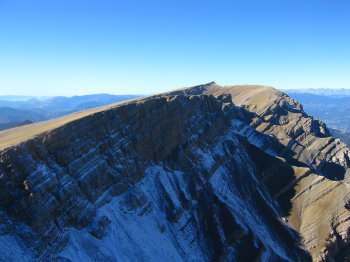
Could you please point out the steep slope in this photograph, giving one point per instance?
(320, 206)
(206, 173)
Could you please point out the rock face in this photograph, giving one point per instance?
(208, 173)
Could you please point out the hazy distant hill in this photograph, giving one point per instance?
(62, 103)
(16, 98)
(8, 125)
(13, 112)
(8, 114)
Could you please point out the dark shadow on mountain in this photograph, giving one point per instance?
(279, 179)
(343, 255)
(333, 171)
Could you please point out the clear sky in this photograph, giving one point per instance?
(70, 47)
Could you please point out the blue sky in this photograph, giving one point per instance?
(70, 47)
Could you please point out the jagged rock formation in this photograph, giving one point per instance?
(342, 135)
(208, 173)
(331, 106)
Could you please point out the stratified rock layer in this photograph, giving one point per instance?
(207, 173)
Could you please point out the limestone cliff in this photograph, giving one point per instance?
(207, 173)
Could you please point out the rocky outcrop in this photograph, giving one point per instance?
(206, 173)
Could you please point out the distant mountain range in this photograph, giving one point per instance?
(16, 110)
(320, 91)
(329, 105)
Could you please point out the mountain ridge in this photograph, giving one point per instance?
(241, 168)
